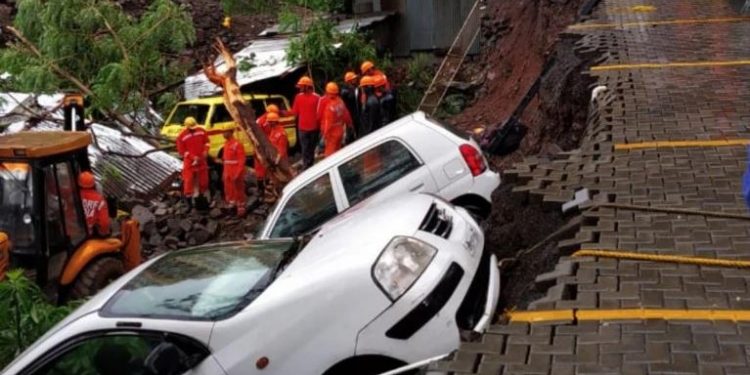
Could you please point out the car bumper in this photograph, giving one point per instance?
(458, 291)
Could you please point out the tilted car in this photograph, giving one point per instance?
(413, 154)
(379, 286)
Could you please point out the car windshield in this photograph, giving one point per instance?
(16, 204)
(207, 283)
(198, 111)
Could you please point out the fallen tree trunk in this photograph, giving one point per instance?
(278, 169)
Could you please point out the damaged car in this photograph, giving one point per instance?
(379, 286)
(413, 154)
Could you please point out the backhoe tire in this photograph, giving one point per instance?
(96, 276)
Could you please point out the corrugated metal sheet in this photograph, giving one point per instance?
(269, 58)
(421, 19)
(132, 177)
(434, 24)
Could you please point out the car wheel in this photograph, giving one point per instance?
(476, 212)
(96, 276)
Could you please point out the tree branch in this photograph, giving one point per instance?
(132, 125)
(116, 37)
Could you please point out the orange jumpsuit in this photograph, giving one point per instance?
(192, 145)
(334, 118)
(277, 136)
(234, 173)
(96, 211)
(260, 169)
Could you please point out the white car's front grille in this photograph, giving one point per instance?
(438, 222)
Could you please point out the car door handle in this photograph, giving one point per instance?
(417, 187)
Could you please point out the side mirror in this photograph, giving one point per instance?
(167, 359)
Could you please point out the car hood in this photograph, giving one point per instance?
(363, 231)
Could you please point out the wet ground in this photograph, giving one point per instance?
(676, 72)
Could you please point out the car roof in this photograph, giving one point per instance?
(397, 127)
(219, 99)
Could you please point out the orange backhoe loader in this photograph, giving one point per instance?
(42, 224)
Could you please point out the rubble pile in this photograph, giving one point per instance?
(167, 223)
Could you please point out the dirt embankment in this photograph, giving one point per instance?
(521, 39)
(518, 38)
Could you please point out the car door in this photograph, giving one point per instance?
(305, 209)
(384, 170)
(124, 352)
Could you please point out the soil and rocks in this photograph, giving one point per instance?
(518, 39)
(167, 223)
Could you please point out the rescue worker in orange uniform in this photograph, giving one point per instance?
(369, 69)
(260, 169)
(305, 107)
(234, 173)
(94, 205)
(277, 136)
(192, 145)
(335, 120)
(371, 117)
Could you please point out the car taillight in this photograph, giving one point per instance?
(473, 159)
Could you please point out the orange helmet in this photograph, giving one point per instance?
(366, 81)
(332, 88)
(272, 117)
(272, 108)
(379, 81)
(86, 180)
(350, 76)
(305, 81)
(367, 65)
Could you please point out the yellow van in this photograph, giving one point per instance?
(213, 116)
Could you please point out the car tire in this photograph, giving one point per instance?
(476, 213)
(96, 276)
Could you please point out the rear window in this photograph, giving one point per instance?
(207, 283)
(280, 102)
(183, 111)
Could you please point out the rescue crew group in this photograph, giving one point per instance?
(360, 107)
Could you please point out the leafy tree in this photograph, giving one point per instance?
(247, 6)
(26, 315)
(94, 47)
(322, 46)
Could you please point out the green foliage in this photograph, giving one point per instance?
(110, 172)
(26, 315)
(121, 59)
(419, 72)
(232, 7)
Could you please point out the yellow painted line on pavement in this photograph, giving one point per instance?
(683, 144)
(687, 64)
(695, 21)
(543, 316)
(679, 259)
(540, 316)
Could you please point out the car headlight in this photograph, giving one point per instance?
(400, 265)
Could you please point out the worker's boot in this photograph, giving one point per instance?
(189, 203)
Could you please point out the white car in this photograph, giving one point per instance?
(377, 287)
(413, 154)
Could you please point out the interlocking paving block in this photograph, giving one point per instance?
(660, 103)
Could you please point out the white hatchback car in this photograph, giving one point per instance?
(377, 287)
(413, 154)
